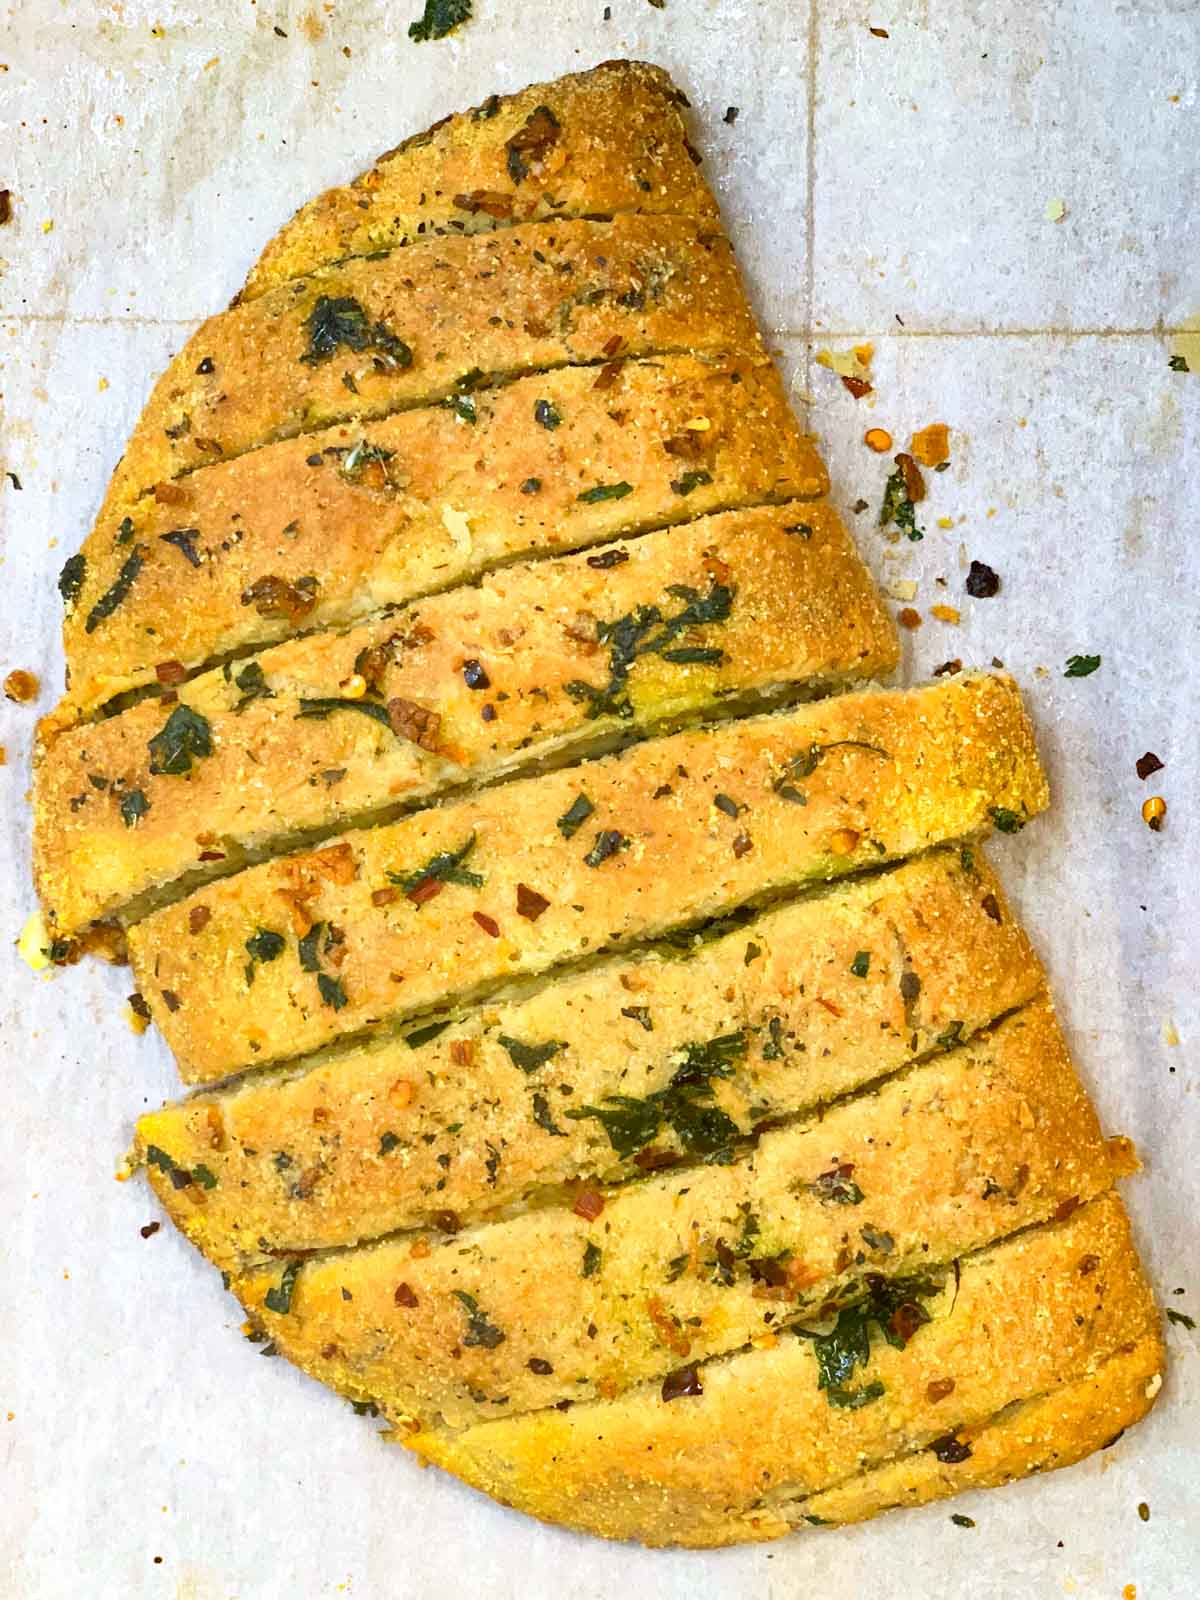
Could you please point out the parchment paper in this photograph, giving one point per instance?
(897, 189)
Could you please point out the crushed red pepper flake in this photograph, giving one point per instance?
(198, 918)
(426, 889)
(1148, 764)
(170, 672)
(589, 1203)
(404, 1296)
(489, 924)
(530, 904)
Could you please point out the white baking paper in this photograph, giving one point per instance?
(1005, 200)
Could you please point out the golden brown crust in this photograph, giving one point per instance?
(848, 783)
(695, 1264)
(1028, 1316)
(427, 502)
(615, 141)
(491, 680)
(1053, 1430)
(428, 323)
(814, 1031)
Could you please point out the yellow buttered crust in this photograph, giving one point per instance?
(385, 1136)
(320, 531)
(608, 140)
(683, 1267)
(1044, 1309)
(740, 811)
(432, 322)
(332, 730)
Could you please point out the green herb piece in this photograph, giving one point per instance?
(479, 1330)
(184, 737)
(1179, 364)
(966, 858)
(125, 531)
(335, 322)
(331, 991)
(853, 1399)
(280, 1297)
(959, 1521)
(837, 1187)
(184, 540)
(951, 1036)
(365, 454)
(892, 1306)
(817, 1522)
(607, 843)
(773, 1049)
(640, 1015)
(701, 1129)
(531, 486)
(320, 709)
(1181, 1319)
(439, 18)
(157, 1157)
(463, 407)
(544, 1118)
(605, 491)
(112, 597)
(529, 1057)
(547, 415)
(1081, 666)
(202, 1176)
(388, 1142)
(70, 579)
(694, 655)
(1006, 821)
(310, 960)
(690, 481)
(423, 1035)
(861, 964)
(727, 804)
(807, 762)
(646, 631)
(898, 508)
(575, 816)
(591, 1260)
(446, 867)
(875, 1239)
(133, 807)
(265, 945)
(252, 681)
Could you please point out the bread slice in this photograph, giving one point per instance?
(533, 665)
(433, 322)
(608, 140)
(729, 1449)
(389, 1135)
(321, 531)
(383, 923)
(686, 1266)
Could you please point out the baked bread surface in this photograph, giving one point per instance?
(621, 1068)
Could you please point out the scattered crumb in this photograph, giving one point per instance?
(1170, 1033)
(48, 225)
(945, 522)
(33, 943)
(21, 687)
(901, 589)
(5, 205)
(946, 613)
(853, 367)
(3, 756)
(211, 63)
(931, 445)
(102, 384)
(1056, 210)
(908, 618)
(878, 439)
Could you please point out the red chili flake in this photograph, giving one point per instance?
(139, 1007)
(427, 889)
(415, 723)
(880, 33)
(542, 1368)
(489, 201)
(950, 1449)
(199, 918)
(170, 672)
(212, 855)
(588, 1204)
(906, 1319)
(859, 507)
(530, 904)
(1147, 764)
(404, 1296)
(610, 346)
(652, 1159)
(829, 1005)
(742, 845)
(1070, 1204)
(5, 206)
(939, 1389)
(947, 668)
(982, 582)
(150, 1230)
(914, 483)
(384, 897)
(489, 924)
(447, 1221)
(1088, 1265)
(992, 906)
(857, 386)
(908, 618)
(683, 1381)
(170, 999)
(272, 596)
(170, 494)
(609, 373)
